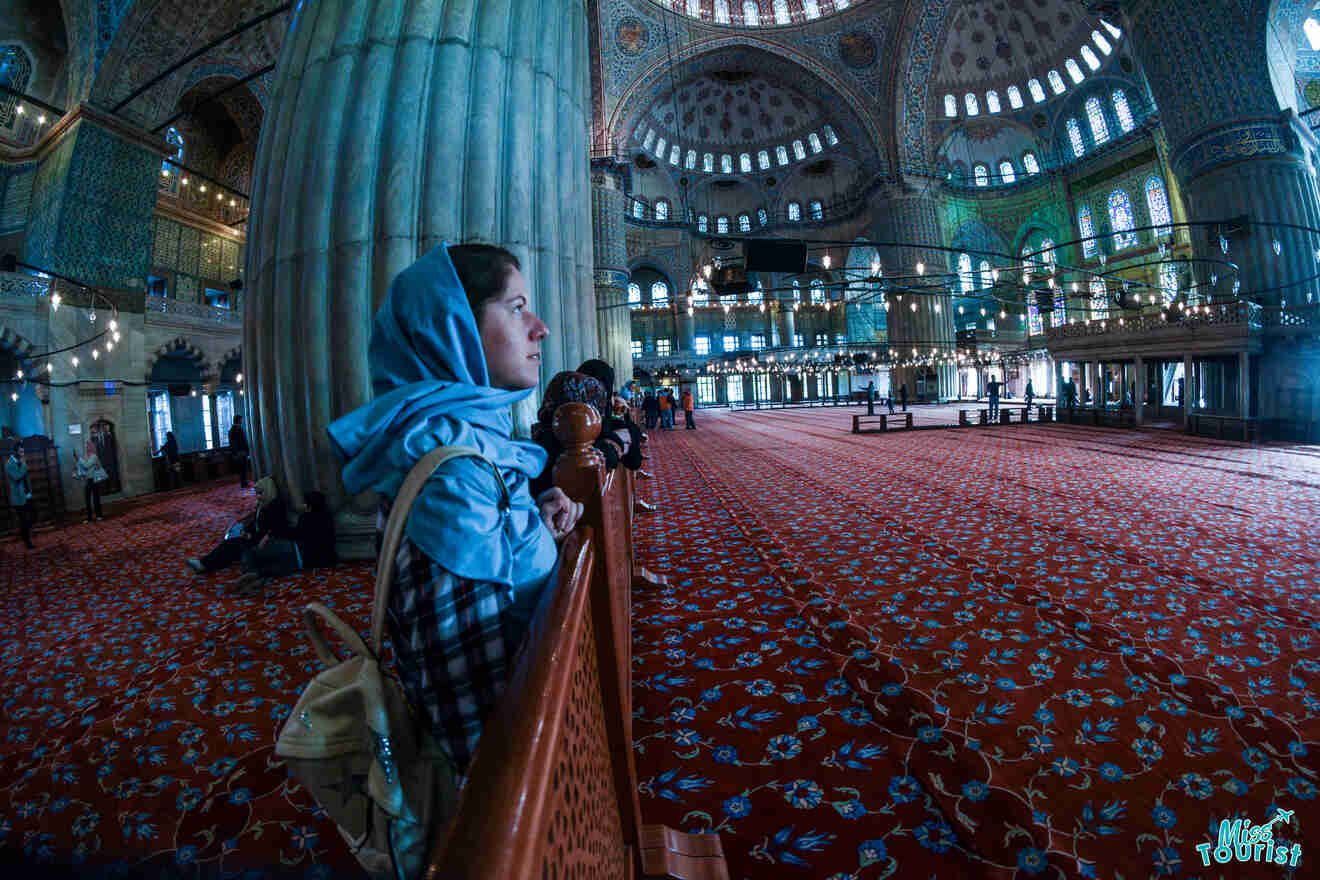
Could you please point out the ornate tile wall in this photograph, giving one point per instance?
(186, 288)
(18, 197)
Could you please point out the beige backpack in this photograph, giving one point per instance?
(352, 740)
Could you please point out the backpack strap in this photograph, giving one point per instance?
(402, 506)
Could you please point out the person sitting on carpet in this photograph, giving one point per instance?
(619, 442)
(312, 545)
(452, 348)
(271, 519)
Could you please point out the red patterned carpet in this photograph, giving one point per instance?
(1008, 652)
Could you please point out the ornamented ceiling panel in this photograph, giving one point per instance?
(734, 13)
(729, 108)
(988, 42)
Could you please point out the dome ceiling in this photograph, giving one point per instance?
(766, 13)
(726, 110)
(1007, 42)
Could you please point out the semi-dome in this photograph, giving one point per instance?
(758, 13)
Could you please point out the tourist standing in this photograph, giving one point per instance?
(173, 469)
(88, 469)
(1031, 394)
(902, 395)
(870, 398)
(689, 404)
(238, 450)
(666, 403)
(20, 492)
(994, 398)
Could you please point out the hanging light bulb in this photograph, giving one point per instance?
(1223, 244)
(960, 310)
(825, 261)
(75, 360)
(689, 310)
(14, 397)
(202, 188)
(114, 325)
(19, 374)
(55, 302)
(1214, 279)
(994, 276)
(914, 307)
(937, 308)
(1003, 314)
(192, 393)
(184, 181)
(116, 336)
(50, 367)
(96, 354)
(921, 268)
(1237, 286)
(982, 313)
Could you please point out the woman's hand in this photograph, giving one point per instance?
(558, 512)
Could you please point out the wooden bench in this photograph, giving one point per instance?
(861, 424)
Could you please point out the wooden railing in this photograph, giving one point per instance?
(552, 791)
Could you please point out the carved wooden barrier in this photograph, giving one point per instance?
(607, 502)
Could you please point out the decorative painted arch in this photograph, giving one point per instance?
(181, 344)
(632, 104)
(920, 30)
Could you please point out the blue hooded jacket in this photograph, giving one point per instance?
(428, 372)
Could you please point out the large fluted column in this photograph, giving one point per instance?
(1234, 152)
(614, 322)
(912, 218)
(398, 124)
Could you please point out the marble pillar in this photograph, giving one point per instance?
(786, 320)
(610, 251)
(1233, 150)
(396, 125)
(912, 220)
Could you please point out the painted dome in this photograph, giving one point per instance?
(758, 13)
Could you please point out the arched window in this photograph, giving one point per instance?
(1086, 230)
(1060, 307)
(973, 108)
(694, 8)
(817, 292)
(639, 208)
(662, 209)
(1099, 299)
(174, 139)
(1031, 163)
(1006, 172)
(1121, 219)
(965, 277)
(1037, 93)
(1014, 97)
(700, 293)
(1074, 72)
(950, 106)
(1158, 202)
(813, 140)
(660, 148)
(1096, 115)
(744, 223)
(799, 151)
(745, 163)
(987, 275)
(722, 225)
(659, 295)
(992, 102)
(982, 175)
(634, 295)
(1048, 259)
(762, 217)
(830, 137)
(794, 211)
(1100, 40)
(1034, 326)
(781, 11)
(781, 153)
(1089, 58)
(1169, 282)
(811, 8)
(797, 291)
(817, 210)
(708, 162)
(726, 163)
(674, 153)
(1124, 112)
(1075, 138)
(650, 139)
(1113, 30)
(1056, 82)
(690, 160)
(763, 159)
(703, 223)
(751, 14)
(721, 11)
(755, 295)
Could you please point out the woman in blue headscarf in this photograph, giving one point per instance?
(452, 349)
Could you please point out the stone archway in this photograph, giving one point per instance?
(181, 345)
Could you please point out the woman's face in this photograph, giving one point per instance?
(511, 337)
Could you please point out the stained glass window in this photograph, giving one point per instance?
(721, 11)
(817, 211)
(1099, 299)
(703, 223)
(811, 8)
(797, 292)
(1124, 112)
(830, 137)
(173, 138)
(659, 295)
(1121, 218)
(1014, 97)
(781, 154)
(1158, 203)
(798, 150)
(1031, 163)
(763, 159)
(781, 11)
(1113, 30)
(1100, 40)
(639, 209)
(650, 139)
(690, 161)
(662, 209)
(966, 279)
(745, 163)
(1075, 138)
(1086, 230)
(660, 148)
(817, 292)
(1006, 172)
(1060, 307)
(751, 14)
(674, 153)
(726, 163)
(813, 140)
(1095, 114)
(987, 274)
(982, 175)
(762, 217)
(794, 211)
(1169, 282)
(708, 162)
(992, 102)
(1089, 58)
(973, 108)
(722, 225)
(634, 295)
(1056, 82)
(1034, 326)
(950, 106)
(1074, 72)
(1037, 93)
(744, 223)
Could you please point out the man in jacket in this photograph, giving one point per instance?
(238, 450)
(689, 404)
(20, 492)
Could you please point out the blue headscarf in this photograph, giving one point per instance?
(428, 372)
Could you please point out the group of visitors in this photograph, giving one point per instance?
(659, 407)
(87, 469)
(871, 396)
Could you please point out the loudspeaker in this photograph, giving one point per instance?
(180, 389)
(775, 256)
